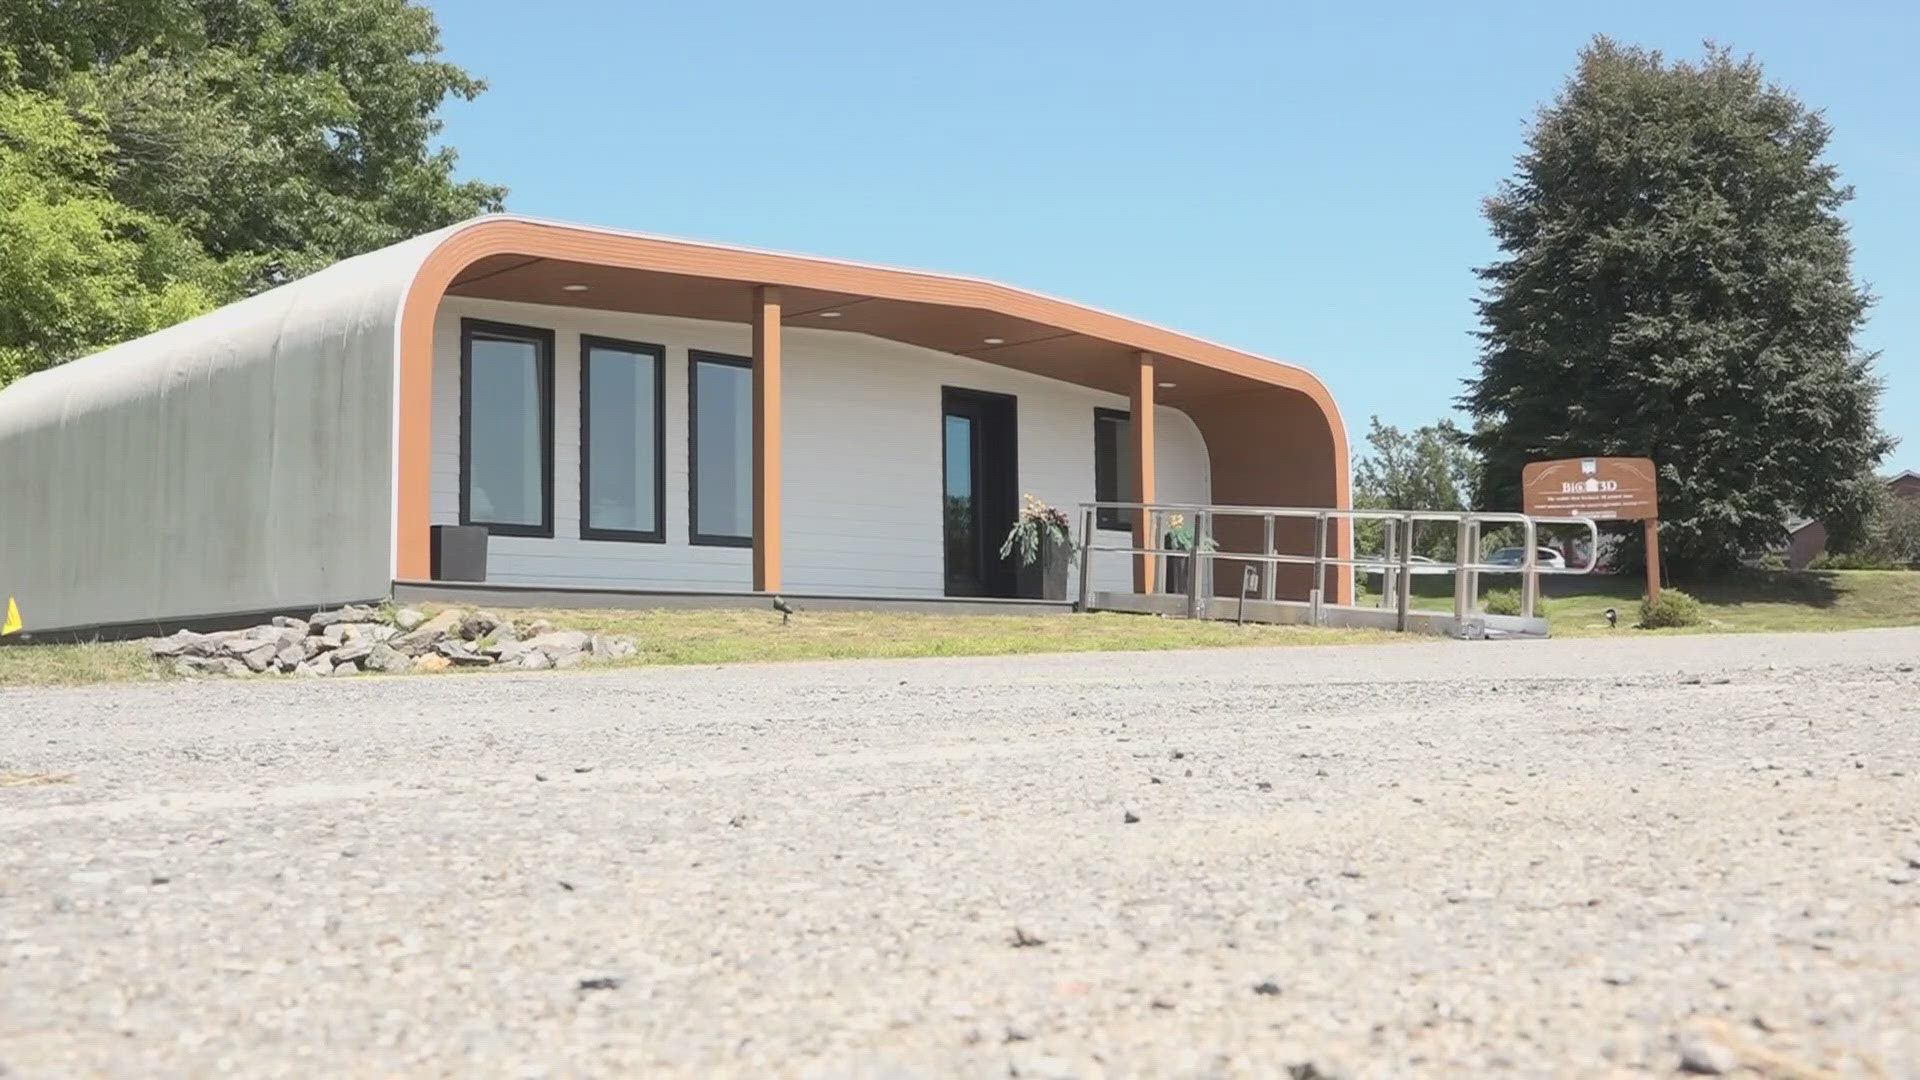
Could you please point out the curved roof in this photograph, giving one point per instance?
(487, 256)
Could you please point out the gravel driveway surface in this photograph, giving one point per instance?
(1560, 858)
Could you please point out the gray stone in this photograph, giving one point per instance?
(290, 656)
(569, 660)
(534, 660)
(209, 665)
(348, 668)
(183, 643)
(422, 638)
(385, 657)
(288, 622)
(408, 618)
(1705, 1057)
(316, 645)
(506, 652)
(311, 668)
(239, 646)
(560, 641)
(352, 613)
(461, 653)
(347, 633)
(261, 656)
(535, 628)
(478, 625)
(354, 651)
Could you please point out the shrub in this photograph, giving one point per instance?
(1853, 560)
(1674, 608)
(1501, 602)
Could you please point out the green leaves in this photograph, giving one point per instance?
(1675, 283)
(79, 270)
(1428, 468)
(214, 148)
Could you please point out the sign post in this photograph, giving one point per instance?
(1604, 489)
(1653, 559)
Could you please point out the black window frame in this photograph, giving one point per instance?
(696, 357)
(542, 341)
(658, 534)
(1108, 478)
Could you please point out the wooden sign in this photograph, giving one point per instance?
(1605, 488)
(1602, 488)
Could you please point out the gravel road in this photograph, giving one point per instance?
(1559, 858)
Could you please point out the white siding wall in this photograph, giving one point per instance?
(862, 455)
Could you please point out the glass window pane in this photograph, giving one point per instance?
(622, 419)
(505, 468)
(723, 450)
(962, 523)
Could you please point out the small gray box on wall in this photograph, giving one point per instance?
(459, 553)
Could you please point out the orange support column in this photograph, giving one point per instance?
(1141, 423)
(766, 438)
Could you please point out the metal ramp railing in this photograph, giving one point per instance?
(1396, 564)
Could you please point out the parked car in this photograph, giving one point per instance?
(1544, 558)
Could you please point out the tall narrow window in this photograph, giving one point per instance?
(622, 387)
(506, 428)
(721, 444)
(1113, 479)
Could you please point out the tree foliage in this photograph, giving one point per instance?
(1888, 538)
(1675, 283)
(1428, 468)
(271, 137)
(78, 269)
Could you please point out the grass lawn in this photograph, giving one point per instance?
(1751, 601)
(717, 637)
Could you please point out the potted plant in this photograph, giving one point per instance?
(1179, 537)
(1040, 536)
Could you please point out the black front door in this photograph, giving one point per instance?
(977, 488)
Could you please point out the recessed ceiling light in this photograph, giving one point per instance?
(830, 314)
(996, 341)
(1167, 385)
(575, 287)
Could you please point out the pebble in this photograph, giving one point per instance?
(1706, 1057)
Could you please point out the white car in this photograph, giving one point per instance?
(1544, 558)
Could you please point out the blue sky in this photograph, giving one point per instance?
(1303, 181)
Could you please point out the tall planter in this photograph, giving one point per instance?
(1046, 577)
(1179, 566)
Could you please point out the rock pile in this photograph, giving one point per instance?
(358, 638)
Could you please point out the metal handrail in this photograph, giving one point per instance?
(1395, 564)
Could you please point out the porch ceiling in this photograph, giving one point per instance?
(1026, 345)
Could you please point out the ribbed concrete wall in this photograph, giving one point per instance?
(241, 461)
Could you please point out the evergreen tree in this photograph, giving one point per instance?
(1675, 284)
